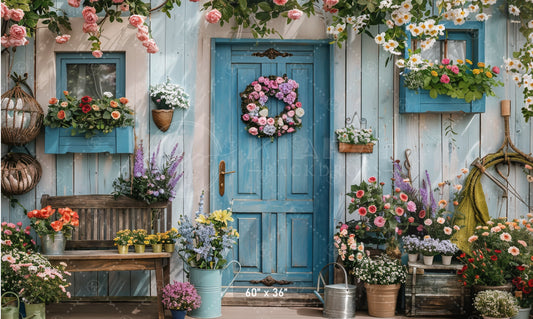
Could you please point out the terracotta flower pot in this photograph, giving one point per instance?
(382, 299)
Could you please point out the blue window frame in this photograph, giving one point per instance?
(82, 74)
(464, 41)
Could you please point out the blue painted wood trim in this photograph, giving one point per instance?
(271, 206)
(61, 141)
(273, 41)
(117, 58)
(421, 102)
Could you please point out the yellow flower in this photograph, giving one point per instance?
(222, 216)
(235, 233)
(460, 61)
(434, 73)
(202, 220)
(488, 74)
(468, 61)
(481, 65)
(476, 71)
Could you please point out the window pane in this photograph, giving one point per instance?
(434, 53)
(91, 79)
(456, 49)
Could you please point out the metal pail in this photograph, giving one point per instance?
(339, 299)
(8, 311)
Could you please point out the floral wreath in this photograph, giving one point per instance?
(255, 113)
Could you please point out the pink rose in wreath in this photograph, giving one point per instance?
(280, 2)
(246, 117)
(253, 130)
(262, 120)
(271, 121)
(250, 107)
(290, 114)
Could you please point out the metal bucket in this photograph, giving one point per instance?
(53, 244)
(208, 283)
(10, 312)
(339, 299)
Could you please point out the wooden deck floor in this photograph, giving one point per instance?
(148, 310)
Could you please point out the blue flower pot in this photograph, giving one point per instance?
(178, 314)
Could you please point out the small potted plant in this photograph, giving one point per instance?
(496, 304)
(169, 239)
(523, 290)
(179, 298)
(352, 140)
(410, 245)
(156, 241)
(428, 249)
(139, 240)
(446, 249)
(382, 277)
(123, 240)
(167, 96)
(53, 227)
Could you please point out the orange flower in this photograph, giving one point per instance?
(52, 101)
(115, 115)
(481, 64)
(46, 212)
(75, 222)
(61, 114)
(57, 225)
(65, 219)
(488, 74)
(123, 100)
(113, 103)
(65, 92)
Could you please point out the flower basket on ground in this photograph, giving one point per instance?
(382, 277)
(496, 304)
(167, 96)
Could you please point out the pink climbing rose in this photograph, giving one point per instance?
(213, 16)
(295, 14)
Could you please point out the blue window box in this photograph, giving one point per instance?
(472, 34)
(61, 141)
(420, 102)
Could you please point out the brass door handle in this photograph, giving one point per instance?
(221, 176)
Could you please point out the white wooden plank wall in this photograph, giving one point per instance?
(363, 85)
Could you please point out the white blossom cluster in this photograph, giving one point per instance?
(351, 135)
(381, 271)
(169, 95)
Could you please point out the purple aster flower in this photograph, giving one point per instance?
(138, 168)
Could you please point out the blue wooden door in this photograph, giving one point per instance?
(279, 192)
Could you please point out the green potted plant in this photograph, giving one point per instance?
(496, 304)
(382, 277)
(352, 140)
(523, 288)
(166, 97)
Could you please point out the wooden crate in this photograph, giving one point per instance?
(435, 290)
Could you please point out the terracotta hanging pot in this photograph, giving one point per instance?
(162, 118)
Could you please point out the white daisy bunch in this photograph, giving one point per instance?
(381, 271)
(352, 135)
(169, 96)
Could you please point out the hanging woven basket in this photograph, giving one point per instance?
(22, 116)
(20, 173)
(162, 118)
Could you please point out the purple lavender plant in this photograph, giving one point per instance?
(155, 183)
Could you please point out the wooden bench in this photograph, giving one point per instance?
(101, 216)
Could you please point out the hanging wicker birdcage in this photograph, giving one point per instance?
(22, 116)
(20, 173)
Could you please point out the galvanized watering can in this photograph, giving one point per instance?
(339, 299)
(10, 312)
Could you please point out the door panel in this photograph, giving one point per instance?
(279, 193)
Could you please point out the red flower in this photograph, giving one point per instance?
(372, 179)
(404, 197)
(521, 268)
(463, 255)
(422, 214)
(86, 99)
(61, 115)
(497, 251)
(85, 108)
(470, 260)
(372, 209)
(362, 211)
(494, 257)
(360, 193)
(56, 225)
(530, 282)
